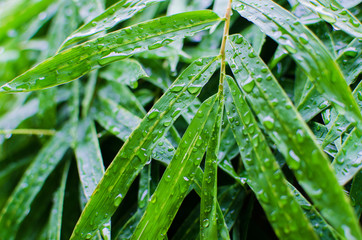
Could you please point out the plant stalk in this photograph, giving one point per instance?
(28, 131)
(222, 48)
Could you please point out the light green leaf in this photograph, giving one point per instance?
(350, 62)
(113, 15)
(79, 60)
(348, 160)
(306, 49)
(178, 176)
(124, 72)
(341, 124)
(135, 152)
(291, 136)
(263, 170)
(334, 13)
(14, 16)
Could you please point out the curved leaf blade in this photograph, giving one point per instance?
(208, 212)
(350, 62)
(113, 15)
(263, 170)
(306, 49)
(348, 160)
(178, 176)
(79, 60)
(334, 13)
(135, 152)
(291, 135)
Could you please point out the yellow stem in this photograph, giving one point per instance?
(222, 48)
(28, 131)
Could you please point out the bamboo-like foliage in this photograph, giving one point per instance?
(119, 119)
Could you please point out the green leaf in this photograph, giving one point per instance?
(79, 60)
(291, 136)
(178, 176)
(135, 152)
(350, 62)
(334, 13)
(122, 123)
(208, 212)
(306, 49)
(348, 160)
(55, 220)
(19, 203)
(321, 227)
(113, 15)
(89, 158)
(356, 193)
(21, 11)
(264, 175)
(125, 72)
(341, 124)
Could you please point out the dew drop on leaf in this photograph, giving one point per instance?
(268, 122)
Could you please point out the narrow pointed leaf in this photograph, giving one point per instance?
(113, 15)
(135, 152)
(208, 214)
(79, 60)
(263, 170)
(19, 203)
(306, 49)
(348, 160)
(350, 62)
(178, 176)
(291, 135)
(122, 123)
(356, 193)
(321, 227)
(341, 124)
(334, 13)
(56, 213)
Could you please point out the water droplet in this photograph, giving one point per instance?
(263, 196)
(323, 105)
(238, 40)
(118, 200)
(303, 38)
(268, 122)
(249, 85)
(186, 179)
(359, 95)
(154, 46)
(177, 88)
(205, 223)
(354, 22)
(153, 114)
(167, 123)
(193, 89)
(327, 17)
(6, 87)
(111, 57)
(300, 135)
(252, 55)
(294, 162)
(351, 52)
